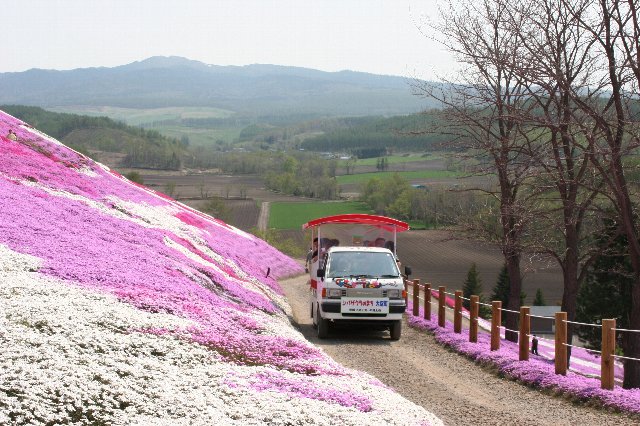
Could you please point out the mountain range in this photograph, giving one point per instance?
(251, 89)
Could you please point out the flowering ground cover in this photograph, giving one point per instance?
(583, 361)
(119, 305)
(538, 372)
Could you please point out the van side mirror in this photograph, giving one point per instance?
(407, 270)
(320, 273)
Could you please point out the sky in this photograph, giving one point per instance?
(376, 36)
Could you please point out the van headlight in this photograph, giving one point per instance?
(393, 294)
(335, 292)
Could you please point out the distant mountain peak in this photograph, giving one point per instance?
(164, 62)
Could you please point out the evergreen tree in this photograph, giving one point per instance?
(539, 299)
(501, 289)
(606, 292)
(472, 285)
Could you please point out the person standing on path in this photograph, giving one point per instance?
(534, 345)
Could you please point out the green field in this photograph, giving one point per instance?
(393, 159)
(145, 118)
(292, 215)
(137, 117)
(420, 174)
(199, 136)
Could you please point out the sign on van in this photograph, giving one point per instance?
(364, 305)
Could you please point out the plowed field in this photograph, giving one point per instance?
(439, 258)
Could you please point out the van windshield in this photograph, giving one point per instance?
(362, 264)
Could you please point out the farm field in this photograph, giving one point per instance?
(409, 175)
(146, 118)
(243, 213)
(416, 164)
(292, 215)
(139, 117)
(190, 185)
(394, 159)
(438, 257)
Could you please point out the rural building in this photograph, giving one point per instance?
(543, 325)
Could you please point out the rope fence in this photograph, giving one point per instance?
(623, 329)
(626, 357)
(524, 335)
(583, 323)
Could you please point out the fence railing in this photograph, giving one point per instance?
(607, 354)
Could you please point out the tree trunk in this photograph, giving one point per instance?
(515, 288)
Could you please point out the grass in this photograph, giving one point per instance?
(419, 174)
(420, 225)
(393, 159)
(285, 215)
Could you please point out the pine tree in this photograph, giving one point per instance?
(501, 289)
(472, 285)
(606, 292)
(539, 299)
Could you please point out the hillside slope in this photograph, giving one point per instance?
(120, 306)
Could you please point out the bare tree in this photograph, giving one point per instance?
(557, 61)
(613, 25)
(483, 111)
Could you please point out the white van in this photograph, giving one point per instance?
(359, 281)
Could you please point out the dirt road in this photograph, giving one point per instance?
(263, 218)
(443, 382)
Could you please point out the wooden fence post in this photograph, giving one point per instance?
(608, 349)
(525, 330)
(473, 319)
(427, 301)
(416, 297)
(561, 340)
(496, 322)
(441, 302)
(457, 314)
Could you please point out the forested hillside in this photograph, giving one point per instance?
(140, 148)
(372, 136)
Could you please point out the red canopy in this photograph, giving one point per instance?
(362, 219)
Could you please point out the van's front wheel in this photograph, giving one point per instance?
(322, 324)
(396, 330)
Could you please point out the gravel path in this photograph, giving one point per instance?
(441, 381)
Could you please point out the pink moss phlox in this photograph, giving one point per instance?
(265, 350)
(538, 371)
(447, 300)
(83, 244)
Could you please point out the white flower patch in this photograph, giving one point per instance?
(12, 261)
(85, 170)
(72, 355)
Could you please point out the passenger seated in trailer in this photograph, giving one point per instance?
(379, 242)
